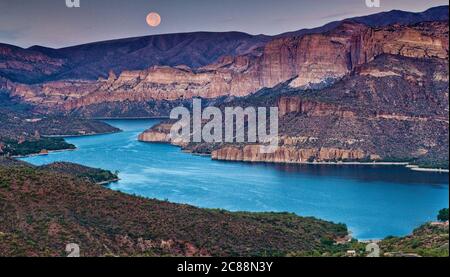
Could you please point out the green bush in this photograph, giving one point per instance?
(443, 215)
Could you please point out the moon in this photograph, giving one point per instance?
(153, 19)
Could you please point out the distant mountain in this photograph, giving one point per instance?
(94, 60)
(401, 17)
(27, 66)
(91, 61)
(383, 19)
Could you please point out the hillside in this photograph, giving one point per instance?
(429, 240)
(42, 209)
(24, 132)
(93, 175)
(52, 209)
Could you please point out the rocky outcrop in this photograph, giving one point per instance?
(318, 57)
(160, 133)
(53, 94)
(286, 154)
(154, 137)
(311, 108)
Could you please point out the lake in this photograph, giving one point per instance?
(374, 201)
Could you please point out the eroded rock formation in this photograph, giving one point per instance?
(289, 154)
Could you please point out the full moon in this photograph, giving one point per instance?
(153, 19)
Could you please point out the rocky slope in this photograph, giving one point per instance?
(92, 216)
(429, 240)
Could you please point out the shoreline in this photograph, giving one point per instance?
(42, 154)
(129, 118)
(62, 150)
(404, 164)
(106, 183)
(80, 135)
(424, 169)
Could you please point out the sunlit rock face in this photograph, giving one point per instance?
(316, 58)
(287, 154)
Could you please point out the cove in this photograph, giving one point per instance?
(374, 201)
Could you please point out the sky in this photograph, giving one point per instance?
(50, 23)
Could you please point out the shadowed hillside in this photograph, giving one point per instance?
(52, 209)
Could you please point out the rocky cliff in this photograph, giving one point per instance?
(289, 154)
(159, 133)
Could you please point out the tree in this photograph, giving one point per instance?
(443, 215)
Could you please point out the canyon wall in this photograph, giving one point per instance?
(287, 154)
(288, 105)
(312, 60)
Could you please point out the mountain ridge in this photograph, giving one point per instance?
(314, 60)
(196, 49)
(438, 13)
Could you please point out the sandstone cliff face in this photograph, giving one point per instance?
(154, 137)
(53, 94)
(160, 134)
(312, 108)
(287, 154)
(311, 59)
(160, 83)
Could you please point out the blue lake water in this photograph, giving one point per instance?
(374, 201)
